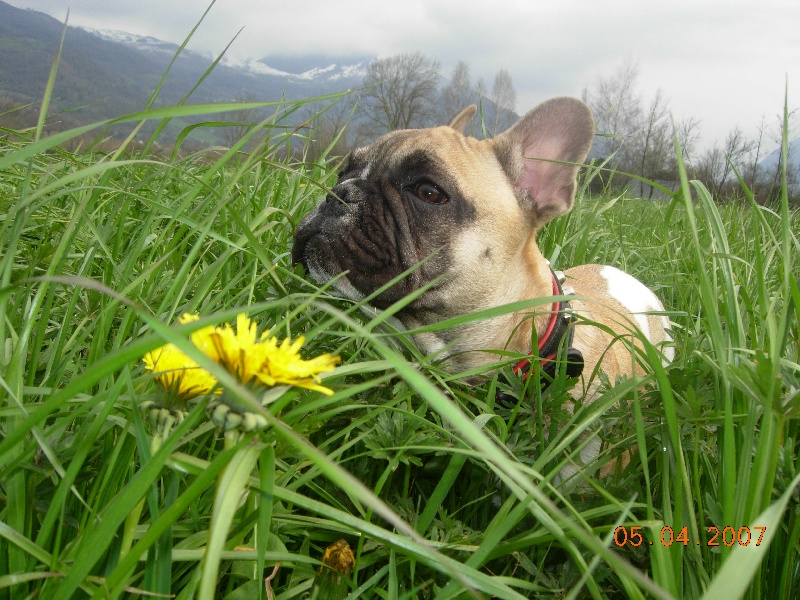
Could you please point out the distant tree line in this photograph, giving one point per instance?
(635, 141)
(407, 91)
(404, 91)
(638, 138)
(16, 116)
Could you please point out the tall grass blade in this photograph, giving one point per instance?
(733, 578)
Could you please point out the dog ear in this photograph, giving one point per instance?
(534, 150)
(459, 122)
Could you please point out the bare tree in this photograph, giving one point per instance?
(709, 167)
(717, 164)
(241, 121)
(752, 174)
(789, 124)
(400, 92)
(736, 149)
(687, 132)
(504, 98)
(652, 144)
(457, 93)
(331, 134)
(617, 108)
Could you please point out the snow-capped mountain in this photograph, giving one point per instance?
(327, 69)
(319, 68)
(144, 43)
(103, 74)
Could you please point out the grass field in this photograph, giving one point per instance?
(439, 492)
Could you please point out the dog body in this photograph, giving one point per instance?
(473, 209)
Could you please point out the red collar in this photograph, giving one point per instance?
(554, 314)
(559, 325)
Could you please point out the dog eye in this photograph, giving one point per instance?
(428, 192)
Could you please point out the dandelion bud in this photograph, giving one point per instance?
(331, 581)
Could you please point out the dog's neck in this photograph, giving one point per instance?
(462, 346)
(540, 284)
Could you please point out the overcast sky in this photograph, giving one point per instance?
(723, 62)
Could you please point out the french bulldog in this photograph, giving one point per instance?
(473, 208)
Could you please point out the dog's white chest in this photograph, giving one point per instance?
(638, 299)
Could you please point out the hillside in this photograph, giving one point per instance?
(106, 74)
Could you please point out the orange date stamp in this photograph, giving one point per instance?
(728, 536)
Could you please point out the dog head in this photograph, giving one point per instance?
(475, 206)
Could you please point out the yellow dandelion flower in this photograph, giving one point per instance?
(241, 351)
(180, 377)
(202, 337)
(283, 365)
(255, 360)
(258, 358)
(178, 374)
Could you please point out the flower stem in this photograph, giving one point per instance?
(132, 520)
(233, 480)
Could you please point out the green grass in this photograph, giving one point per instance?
(440, 493)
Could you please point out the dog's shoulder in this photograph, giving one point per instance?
(613, 296)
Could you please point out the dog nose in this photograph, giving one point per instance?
(341, 192)
(337, 194)
(349, 192)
